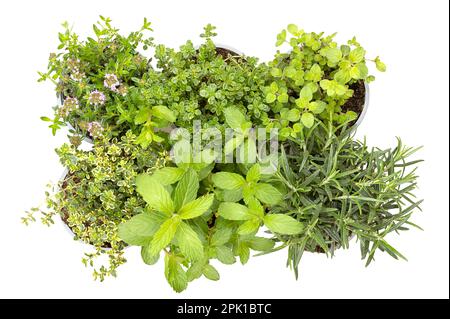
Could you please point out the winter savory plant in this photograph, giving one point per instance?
(202, 156)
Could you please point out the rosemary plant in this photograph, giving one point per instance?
(340, 188)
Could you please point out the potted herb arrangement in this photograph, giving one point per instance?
(203, 155)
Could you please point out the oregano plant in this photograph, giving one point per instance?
(314, 80)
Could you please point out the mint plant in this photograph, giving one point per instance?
(179, 222)
(235, 187)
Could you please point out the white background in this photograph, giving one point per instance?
(410, 100)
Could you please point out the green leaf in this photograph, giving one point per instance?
(221, 236)
(234, 211)
(345, 49)
(260, 243)
(248, 194)
(211, 273)
(314, 74)
(357, 55)
(343, 76)
(293, 115)
(197, 207)
(138, 229)
(325, 84)
(297, 127)
(168, 175)
(363, 70)
(281, 37)
(306, 93)
(307, 119)
(163, 112)
(249, 227)
(243, 251)
(231, 196)
(163, 237)
(255, 208)
(254, 173)
(189, 243)
(354, 72)
(147, 256)
(317, 107)
(380, 65)
(46, 119)
(186, 190)
(195, 271)
(283, 224)
(333, 55)
(283, 97)
(234, 117)
(229, 181)
(225, 255)
(293, 29)
(273, 88)
(154, 194)
(268, 194)
(270, 97)
(276, 72)
(204, 172)
(142, 116)
(175, 274)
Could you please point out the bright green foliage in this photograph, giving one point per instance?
(313, 81)
(180, 222)
(249, 187)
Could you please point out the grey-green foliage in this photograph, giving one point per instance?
(340, 188)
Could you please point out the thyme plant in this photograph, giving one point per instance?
(93, 77)
(98, 193)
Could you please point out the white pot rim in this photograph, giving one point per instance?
(365, 106)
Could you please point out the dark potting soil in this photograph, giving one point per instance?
(225, 53)
(356, 102)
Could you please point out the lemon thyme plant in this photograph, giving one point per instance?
(196, 207)
(97, 194)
